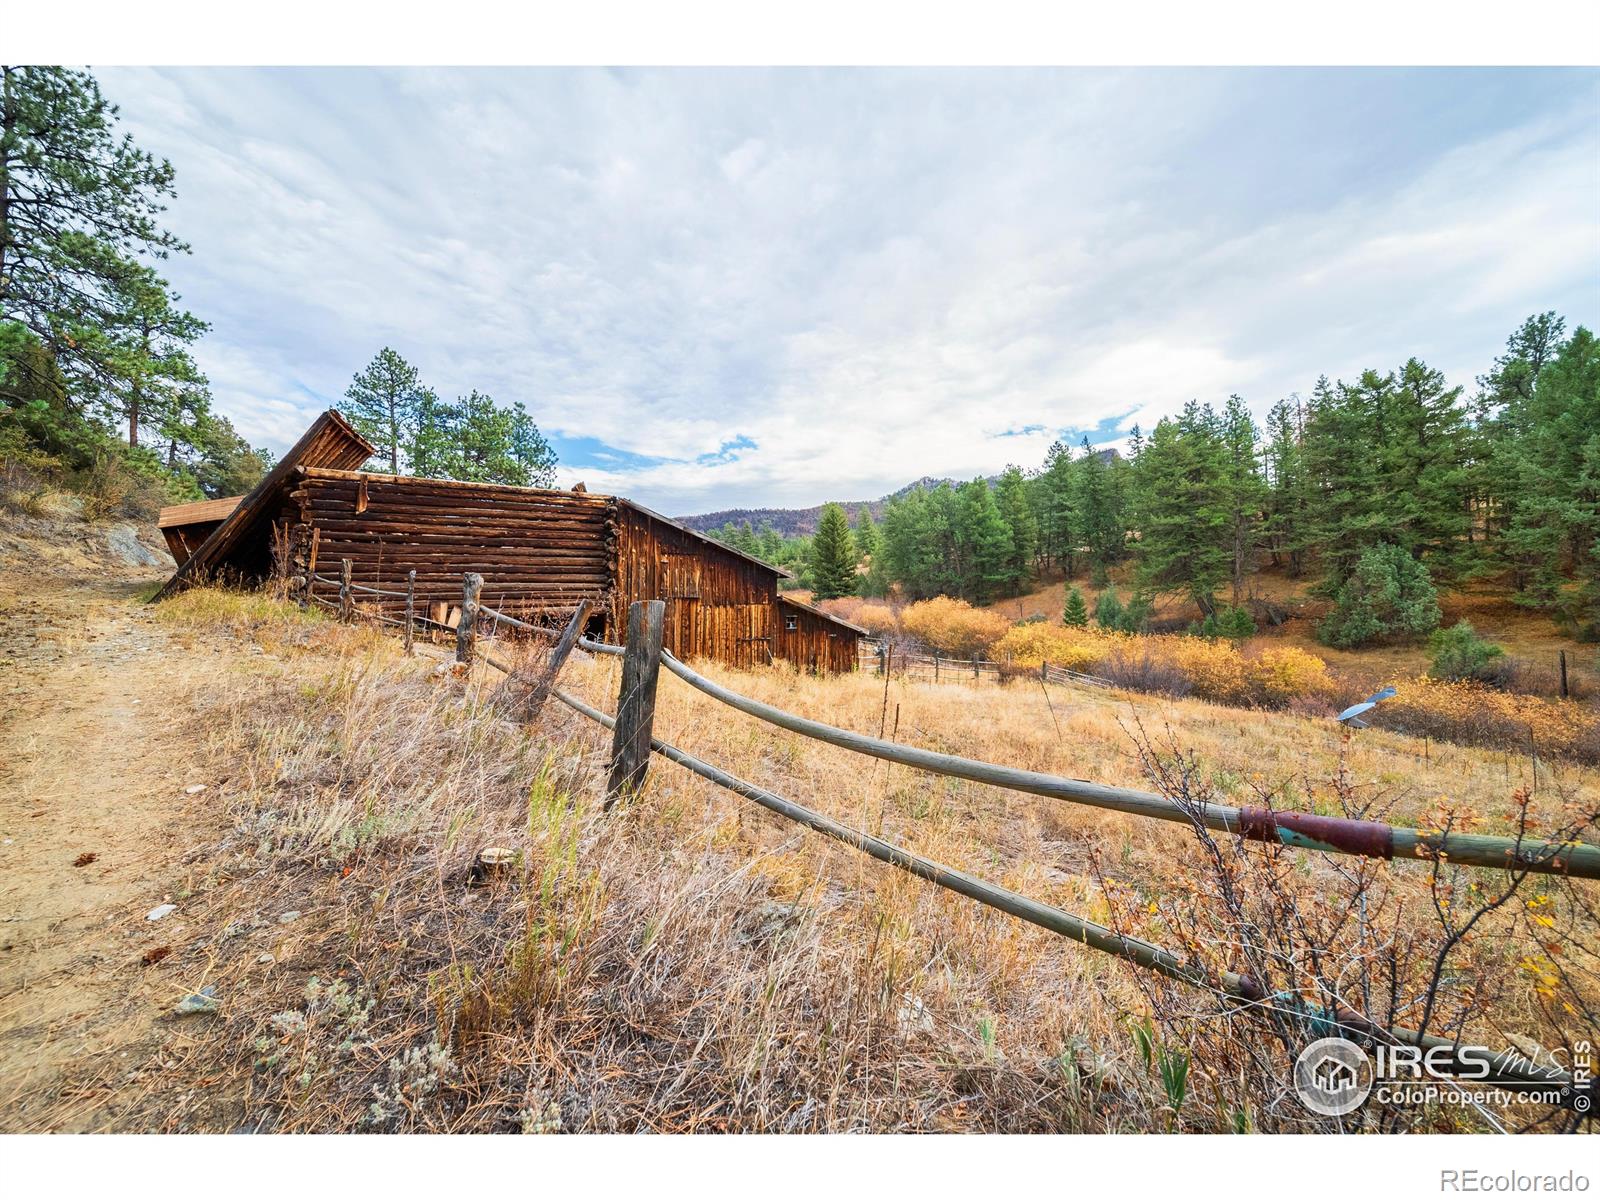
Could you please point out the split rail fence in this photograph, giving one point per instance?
(633, 741)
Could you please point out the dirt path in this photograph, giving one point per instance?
(95, 823)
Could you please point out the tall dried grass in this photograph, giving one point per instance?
(693, 964)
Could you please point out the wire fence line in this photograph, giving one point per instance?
(938, 668)
(634, 726)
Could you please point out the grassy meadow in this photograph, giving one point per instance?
(692, 963)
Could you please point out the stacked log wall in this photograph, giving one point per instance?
(542, 551)
(539, 551)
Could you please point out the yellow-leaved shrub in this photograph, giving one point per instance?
(953, 627)
(1211, 669)
(876, 619)
(1285, 673)
(1215, 669)
(1036, 642)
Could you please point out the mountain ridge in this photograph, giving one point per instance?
(796, 522)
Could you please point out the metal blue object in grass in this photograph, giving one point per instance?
(1350, 715)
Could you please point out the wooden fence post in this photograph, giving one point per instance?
(1044, 671)
(311, 566)
(345, 607)
(636, 700)
(936, 666)
(411, 606)
(467, 624)
(1564, 675)
(539, 691)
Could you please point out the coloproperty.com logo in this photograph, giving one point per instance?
(1334, 1077)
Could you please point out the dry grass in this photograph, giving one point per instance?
(694, 964)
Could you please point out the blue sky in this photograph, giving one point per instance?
(774, 287)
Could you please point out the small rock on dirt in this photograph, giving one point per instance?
(292, 915)
(159, 911)
(913, 1016)
(265, 959)
(194, 789)
(203, 1001)
(84, 859)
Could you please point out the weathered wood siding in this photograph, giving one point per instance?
(814, 641)
(242, 544)
(539, 551)
(184, 540)
(720, 604)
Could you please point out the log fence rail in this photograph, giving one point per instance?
(633, 741)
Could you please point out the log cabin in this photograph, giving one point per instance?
(539, 550)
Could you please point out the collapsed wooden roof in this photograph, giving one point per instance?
(198, 513)
(330, 442)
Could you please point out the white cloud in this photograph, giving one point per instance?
(870, 275)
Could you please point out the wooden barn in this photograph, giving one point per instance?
(539, 551)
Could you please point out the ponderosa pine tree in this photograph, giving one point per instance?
(382, 403)
(742, 537)
(1553, 470)
(1243, 490)
(1052, 490)
(1016, 509)
(427, 446)
(80, 211)
(1284, 517)
(492, 444)
(1185, 530)
(869, 546)
(1500, 411)
(220, 461)
(983, 544)
(1341, 465)
(920, 548)
(148, 341)
(833, 555)
(868, 543)
(1425, 471)
(1098, 504)
(92, 339)
(771, 542)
